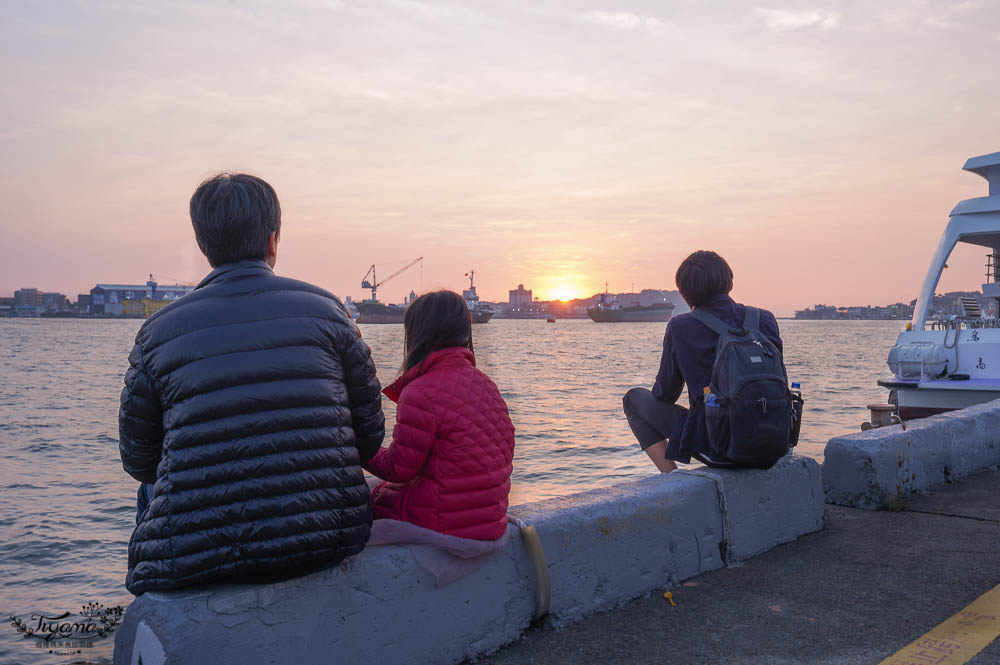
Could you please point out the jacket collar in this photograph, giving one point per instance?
(719, 302)
(235, 269)
(453, 356)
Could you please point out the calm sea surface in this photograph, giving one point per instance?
(67, 508)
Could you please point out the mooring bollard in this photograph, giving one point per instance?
(882, 415)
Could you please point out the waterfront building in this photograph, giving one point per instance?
(30, 297)
(519, 298)
(900, 311)
(32, 302)
(144, 307)
(55, 302)
(896, 311)
(644, 298)
(110, 298)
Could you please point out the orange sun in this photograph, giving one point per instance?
(563, 293)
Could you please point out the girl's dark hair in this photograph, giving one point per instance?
(435, 321)
(703, 275)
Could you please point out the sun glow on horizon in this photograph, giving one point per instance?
(564, 293)
(562, 286)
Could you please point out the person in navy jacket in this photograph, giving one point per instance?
(248, 409)
(667, 431)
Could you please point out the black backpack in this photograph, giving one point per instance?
(752, 416)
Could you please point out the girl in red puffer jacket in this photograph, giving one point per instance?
(448, 466)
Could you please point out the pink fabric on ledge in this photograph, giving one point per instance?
(447, 558)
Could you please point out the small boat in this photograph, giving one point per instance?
(954, 362)
(551, 319)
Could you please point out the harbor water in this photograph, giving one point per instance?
(67, 509)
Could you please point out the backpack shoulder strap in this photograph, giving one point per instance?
(718, 326)
(751, 319)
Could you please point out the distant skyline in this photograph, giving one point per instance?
(556, 297)
(815, 145)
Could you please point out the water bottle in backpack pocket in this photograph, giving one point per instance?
(797, 406)
(717, 423)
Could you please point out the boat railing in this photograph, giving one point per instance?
(965, 324)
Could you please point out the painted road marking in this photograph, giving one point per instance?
(958, 639)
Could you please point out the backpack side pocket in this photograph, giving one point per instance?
(717, 422)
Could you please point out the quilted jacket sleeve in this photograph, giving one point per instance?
(413, 438)
(365, 395)
(140, 422)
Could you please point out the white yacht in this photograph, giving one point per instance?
(953, 363)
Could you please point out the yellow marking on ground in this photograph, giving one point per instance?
(958, 639)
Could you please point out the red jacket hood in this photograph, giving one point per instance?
(453, 356)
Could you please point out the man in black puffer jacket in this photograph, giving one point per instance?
(249, 406)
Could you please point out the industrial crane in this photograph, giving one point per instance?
(374, 284)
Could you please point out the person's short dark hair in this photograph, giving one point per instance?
(234, 215)
(703, 275)
(434, 321)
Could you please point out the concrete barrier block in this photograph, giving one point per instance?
(607, 546)
(763, 509)
(878, 468)
(873, 469)
(379, 606)
(602, 547)
(976, 445)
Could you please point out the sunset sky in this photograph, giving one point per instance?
(817, 146)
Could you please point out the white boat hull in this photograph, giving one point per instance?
(971, 352)
(919, 400)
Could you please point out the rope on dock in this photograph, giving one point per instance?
(543, 586)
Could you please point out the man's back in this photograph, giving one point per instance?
(667, 432)
(688, 358)
(250, 403)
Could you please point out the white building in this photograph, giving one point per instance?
(110, 298)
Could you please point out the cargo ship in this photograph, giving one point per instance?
(371, 310)
(480, 312)
(611, 311)
(377, 312)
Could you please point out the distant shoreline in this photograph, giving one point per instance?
(794, 318)
(495, 319)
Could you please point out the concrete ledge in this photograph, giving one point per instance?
(607, 546)
(379, 607)
(602, 547)
(763, 509)
(876, 469)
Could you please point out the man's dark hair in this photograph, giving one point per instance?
(234, 215)
(702, 275)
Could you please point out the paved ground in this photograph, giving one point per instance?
(856, 592)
